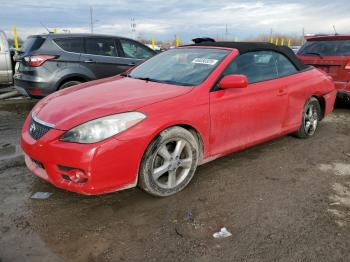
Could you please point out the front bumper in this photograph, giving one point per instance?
(109, 165)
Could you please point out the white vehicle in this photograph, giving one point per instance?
(6, 64)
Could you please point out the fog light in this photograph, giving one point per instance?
(77, 176)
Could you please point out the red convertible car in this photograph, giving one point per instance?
(184, 107)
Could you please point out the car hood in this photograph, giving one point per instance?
(76, 105)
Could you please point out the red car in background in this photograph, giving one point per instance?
(154, 125)
(332, 55)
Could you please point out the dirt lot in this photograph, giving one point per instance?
(285, 200)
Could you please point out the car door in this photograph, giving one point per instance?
(242, 117)
(101, 57)
(133, 52)
(5, 60)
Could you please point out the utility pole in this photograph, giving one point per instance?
(133, 28)
(271, 39)
(335, 30)
(91, 21)
(226, 32)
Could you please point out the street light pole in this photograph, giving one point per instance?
(91, 21)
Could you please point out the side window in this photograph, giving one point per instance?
(134, 50)
(100, 46)
(284, 66)
(257, 66)
(70, 44)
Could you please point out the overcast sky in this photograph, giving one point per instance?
(188, 19)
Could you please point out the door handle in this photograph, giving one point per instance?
(89, 61)
(132, 64)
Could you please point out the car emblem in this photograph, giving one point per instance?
(32, 128)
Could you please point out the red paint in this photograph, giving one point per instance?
(226, 120)
(233, 81)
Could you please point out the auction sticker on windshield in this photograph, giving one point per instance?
(205, 61)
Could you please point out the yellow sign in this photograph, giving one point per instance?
(153, 42)
(15, 37)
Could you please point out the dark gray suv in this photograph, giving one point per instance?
(47, 63)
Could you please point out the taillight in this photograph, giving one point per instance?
(38, 60)
(347, 66)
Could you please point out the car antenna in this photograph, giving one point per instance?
(50, 32)
(335, 30)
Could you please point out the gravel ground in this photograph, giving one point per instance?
(285, 200)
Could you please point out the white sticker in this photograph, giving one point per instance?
(204, 61)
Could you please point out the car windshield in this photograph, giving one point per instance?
(326, 48)
(182, 66)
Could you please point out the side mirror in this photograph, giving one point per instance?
(233, 81)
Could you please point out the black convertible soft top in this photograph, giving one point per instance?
(245, 47)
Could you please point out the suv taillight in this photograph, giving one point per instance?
(38, 60)
(347, 66)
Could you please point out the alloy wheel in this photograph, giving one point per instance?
(172, 163)
(310, 119)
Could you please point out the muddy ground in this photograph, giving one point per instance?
(285, 200)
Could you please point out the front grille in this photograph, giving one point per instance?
(38, 163)
(37, 130)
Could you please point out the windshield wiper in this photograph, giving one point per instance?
(313, 53)
(147, 79)
(124, 74)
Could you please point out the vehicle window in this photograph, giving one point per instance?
(32, 44)
(326, 48)
(100, 46)
(257, 66)
(284, 66)
(70, 44)
(181, 66)
(135, 50)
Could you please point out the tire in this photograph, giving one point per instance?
(69, 84)
(169, 162)
(310, 119)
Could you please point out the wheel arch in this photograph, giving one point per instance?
(194, 131)
(74, 77)
(198, 137)
(322, 102)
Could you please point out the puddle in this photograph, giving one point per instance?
(339, 169)
(10, 151)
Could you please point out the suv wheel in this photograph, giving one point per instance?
(68, 84)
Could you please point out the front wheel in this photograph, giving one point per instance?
(311, 117)
(169, 162)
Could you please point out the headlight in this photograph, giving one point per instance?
(102, 128)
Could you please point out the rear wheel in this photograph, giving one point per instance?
(311, 117)
(69, 83)
(169, 162)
